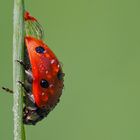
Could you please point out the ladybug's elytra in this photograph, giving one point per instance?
(43, 81)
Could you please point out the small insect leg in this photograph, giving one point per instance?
(23, 64)
(29, 76)
(28, 95)
(7, 89)
(23, 85)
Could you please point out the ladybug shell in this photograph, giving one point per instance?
(46, 70)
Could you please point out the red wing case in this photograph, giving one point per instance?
(47, 73)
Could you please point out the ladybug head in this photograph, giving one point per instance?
(32, 116)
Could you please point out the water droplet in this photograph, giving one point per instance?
(52, 61)
(51, 85)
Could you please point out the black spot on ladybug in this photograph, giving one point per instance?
(44, 83)
(39, 49)
(60, 75)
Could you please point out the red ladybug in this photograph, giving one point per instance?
(43, 79)
(43, 82)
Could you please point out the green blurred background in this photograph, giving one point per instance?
(98, 42)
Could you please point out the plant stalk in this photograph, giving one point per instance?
(18, 74)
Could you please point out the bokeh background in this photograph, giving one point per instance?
(98, 42)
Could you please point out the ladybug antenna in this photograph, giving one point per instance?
(7, 89)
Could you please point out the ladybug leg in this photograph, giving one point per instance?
(27, 91)
(23, 64)
(7, 89)
(28, 96)
(29, 101)
(23, 85)
(29, 76)
(27, 71)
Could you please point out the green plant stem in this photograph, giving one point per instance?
(18, 54)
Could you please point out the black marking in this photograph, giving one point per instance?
(44, 83)
(39, 49)
(60, 75)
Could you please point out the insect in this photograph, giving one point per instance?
(43, 83)
(27, 16)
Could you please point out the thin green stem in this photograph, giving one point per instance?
(18, 54)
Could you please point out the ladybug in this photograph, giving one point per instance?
(43, 80)
(43, 83)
